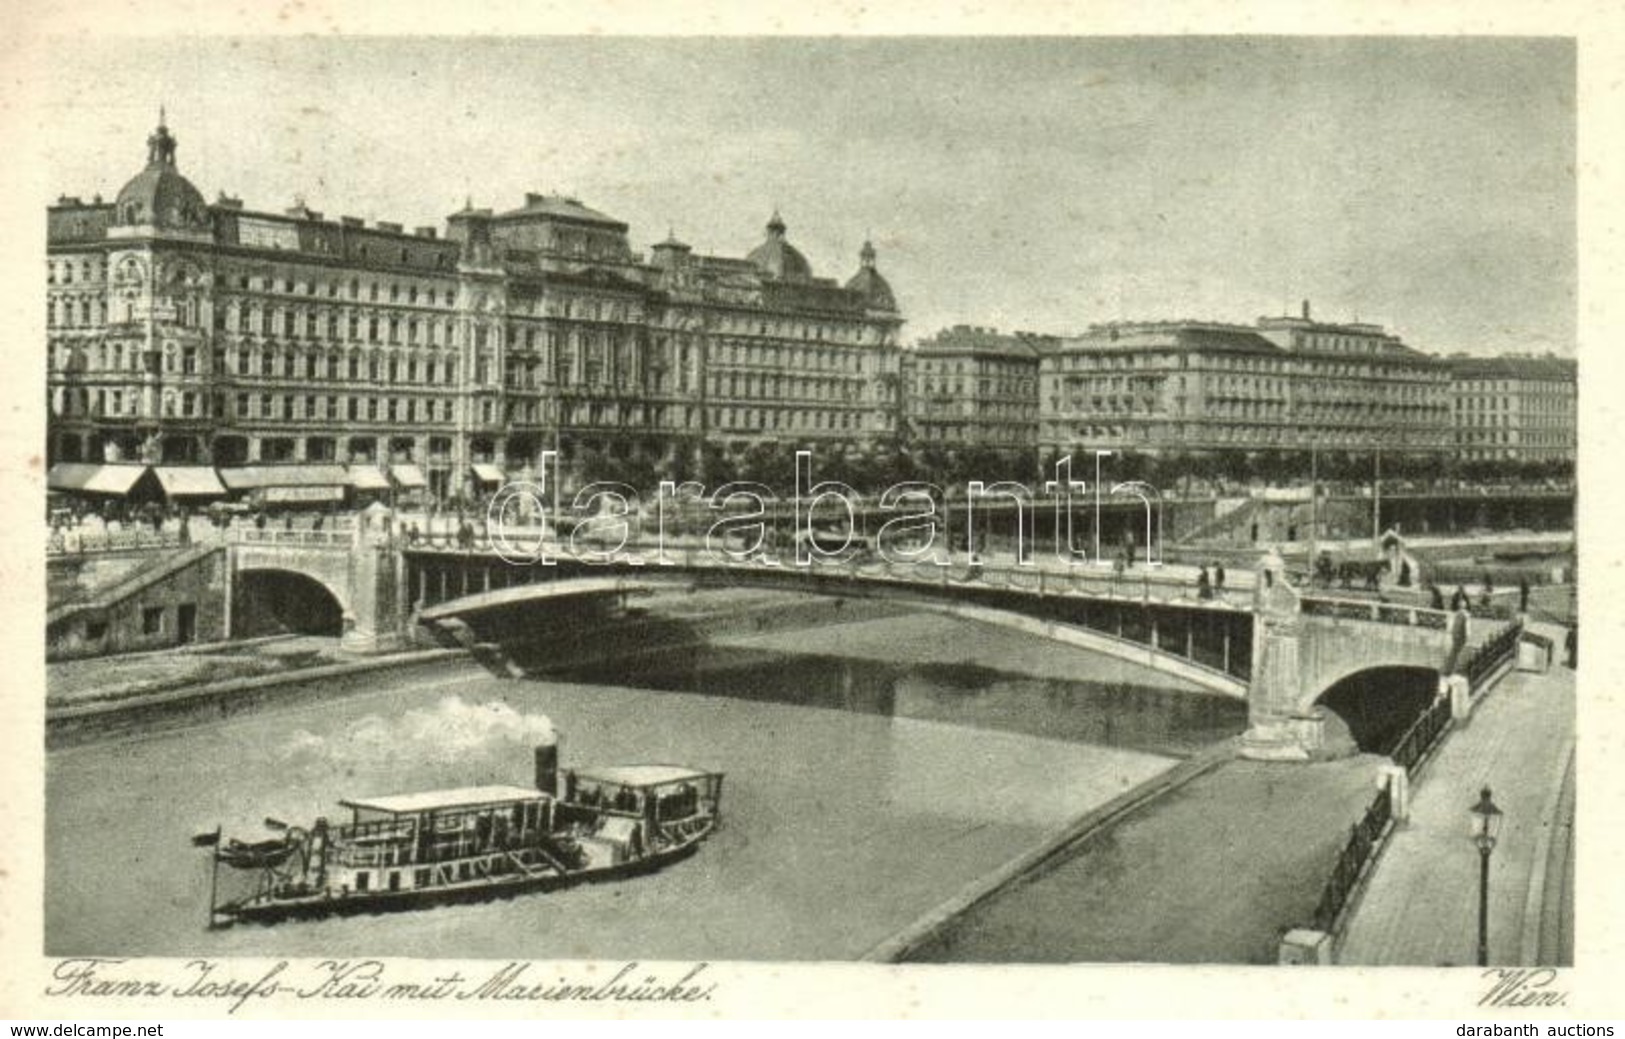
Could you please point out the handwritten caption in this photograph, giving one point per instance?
(361, 980)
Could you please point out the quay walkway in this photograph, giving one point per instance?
(1420, 905)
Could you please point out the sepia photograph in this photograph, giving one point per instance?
(896, 501)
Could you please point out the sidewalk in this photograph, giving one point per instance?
(1420, 907)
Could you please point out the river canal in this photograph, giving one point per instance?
(874, 768)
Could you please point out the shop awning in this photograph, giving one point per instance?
(368, 478)
(489, 473)
(189, 481)
(408, 476)
(94, 478)
(254, 477)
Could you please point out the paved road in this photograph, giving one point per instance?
(1421, 905)
(1209, 874)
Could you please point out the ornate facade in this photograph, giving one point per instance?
(182, 331)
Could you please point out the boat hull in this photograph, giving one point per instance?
(353, 903)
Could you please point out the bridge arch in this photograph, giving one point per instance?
(1377, 704)
(270, 600)
(984, 609)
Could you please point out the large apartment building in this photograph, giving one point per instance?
(968, 387)
(1515, 407)
(183, 331)
(1286, 383)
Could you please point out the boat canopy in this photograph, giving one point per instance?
(460, 799)
(642, 776)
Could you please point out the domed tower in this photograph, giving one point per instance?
(870, 283)
(159, 197)
(160, 307)
(777, 258)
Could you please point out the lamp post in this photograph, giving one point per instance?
(1486, 820)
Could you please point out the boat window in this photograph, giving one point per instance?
(394, 880)
(361, 880)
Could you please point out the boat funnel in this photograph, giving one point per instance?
(547, 767)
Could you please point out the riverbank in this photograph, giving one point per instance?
(146, 714)
(1209, 873)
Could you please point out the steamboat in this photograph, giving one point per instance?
(406, 851)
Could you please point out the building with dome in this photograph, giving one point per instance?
(188, 332)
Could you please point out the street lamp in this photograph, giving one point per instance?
(1486, 820)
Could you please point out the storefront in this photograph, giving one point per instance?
(370, 485)
(289, 487)
(189, 485)
(99, 483)
(410, 485)
(486, 478)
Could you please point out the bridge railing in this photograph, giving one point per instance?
(61, 543)
(1490, 654)
(1372, 610)
(1426, 731)
(1145, 586)
(1364, 840)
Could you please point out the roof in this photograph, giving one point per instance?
(641, 775)
(159, 194)
(93, 477)
(256, 476)
(1174, 335)
(874, 288)
(561, 208)
(962, 339)
(777, 257)
(446, 800)
(189, 481)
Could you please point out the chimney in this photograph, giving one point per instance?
(547, 768)
(352, 221)
(1306, 310)
(392, 228)
(425, 232)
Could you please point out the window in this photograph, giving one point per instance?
(152, 620)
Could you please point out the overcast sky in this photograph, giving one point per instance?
(1040, 184)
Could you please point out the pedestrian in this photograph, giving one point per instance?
(1458, 600)
(1458, 640)
(1435, 597)
(1523, 594)
(1489, 586)
(1204, 590)
(1571, 645)
(1404, 573)
(1218, 577)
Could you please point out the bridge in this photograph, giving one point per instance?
(1289, 654)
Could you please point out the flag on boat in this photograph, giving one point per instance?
(206, 840)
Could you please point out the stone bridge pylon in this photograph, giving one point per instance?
(360, 569)
(1302, 647)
